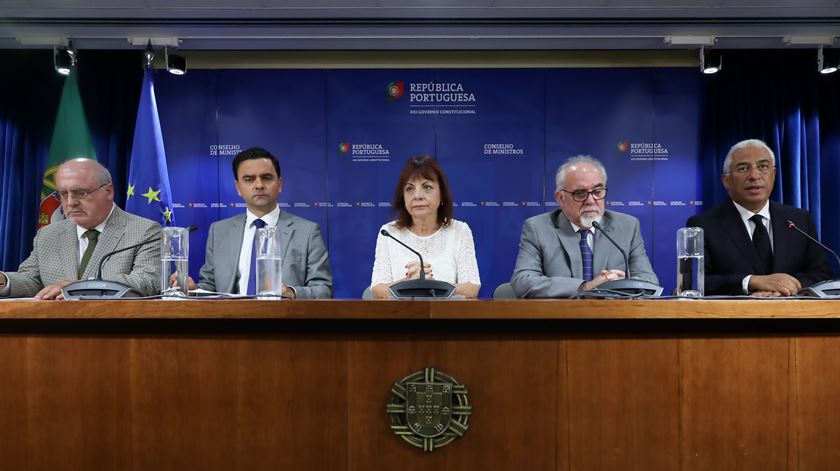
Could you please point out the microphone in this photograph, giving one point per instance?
(623, 253)
(793, 226)
(148, 241)
(421, 288)
(626, 286)
(97, 288)
(422, 266)
(825, 289)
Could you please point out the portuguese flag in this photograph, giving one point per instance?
(70, 139)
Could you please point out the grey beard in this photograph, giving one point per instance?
(586, 221)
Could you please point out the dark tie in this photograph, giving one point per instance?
(92, 237)
(761, 242)
(252, 276)
(585, 254)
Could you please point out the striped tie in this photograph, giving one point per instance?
(585, 254)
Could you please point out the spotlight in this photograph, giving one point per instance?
(64, 59)
(710, 62)
(828, 60)
(149, 55)
(175, 64)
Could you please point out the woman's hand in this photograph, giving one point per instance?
(412, 270)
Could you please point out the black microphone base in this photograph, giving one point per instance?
(631, 287)
(824, 289)
(422, 289)
(98, 289)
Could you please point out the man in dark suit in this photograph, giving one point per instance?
(749, 248)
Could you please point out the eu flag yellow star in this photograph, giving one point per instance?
(167, 215)
(130, 190)
(151, 195)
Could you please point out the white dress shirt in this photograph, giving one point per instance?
(270, 220)
(80, 234)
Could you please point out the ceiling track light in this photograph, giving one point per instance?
(711, 62)
(828, 60)
(148, 55)
(64, 58)
(705, 41)
(176, 64)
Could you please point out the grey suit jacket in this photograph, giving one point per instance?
(55, 256)
(306, 265)
(549, 263)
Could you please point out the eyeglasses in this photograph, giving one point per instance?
(63, 195)
(745, 169)
(581, 195)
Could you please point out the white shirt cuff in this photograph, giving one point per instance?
(745, 284)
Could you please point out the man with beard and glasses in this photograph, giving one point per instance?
(561, 254)
(228, 260)
(749, 247)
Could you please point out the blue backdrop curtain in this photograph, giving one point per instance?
(109, 83)
(779, 97)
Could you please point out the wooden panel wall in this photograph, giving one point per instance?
(542, 400)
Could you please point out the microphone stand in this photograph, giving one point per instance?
(97, 288)
(823, 289)
(420, 288)
(626, 286)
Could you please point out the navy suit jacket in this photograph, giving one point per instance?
(730, 255)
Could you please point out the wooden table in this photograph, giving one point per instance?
(300, 385)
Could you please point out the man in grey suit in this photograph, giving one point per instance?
(71, 249)
(227, 263)
(561, 254)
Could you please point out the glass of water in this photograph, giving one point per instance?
(690, 269)
(269, 266)
(175, 261)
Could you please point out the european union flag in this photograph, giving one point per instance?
(149, 194)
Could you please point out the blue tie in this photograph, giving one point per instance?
(585, 255)
(252, 276)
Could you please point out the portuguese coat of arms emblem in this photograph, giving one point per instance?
(429, 409)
